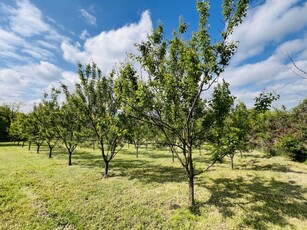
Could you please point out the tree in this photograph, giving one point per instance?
(137, 132)
(16, 130)
(178, 72)
(70, 124)
(4, 126)
(8, 112)
(223, 135)
(237, 130)
(264, 101)
(45, 114)
(95, 99)
(33, 130)
(260, 116)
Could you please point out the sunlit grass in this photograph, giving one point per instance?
(149, 192)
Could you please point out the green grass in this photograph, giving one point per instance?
(147, 193)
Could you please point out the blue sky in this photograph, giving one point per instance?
(41, 41)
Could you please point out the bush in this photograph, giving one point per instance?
(294, 148)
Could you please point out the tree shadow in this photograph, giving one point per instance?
(10, 144)
(262, 201)
(156, 155)
(253, 155)
(275, 167)
(146, 172)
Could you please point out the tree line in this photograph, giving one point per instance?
(166, 104)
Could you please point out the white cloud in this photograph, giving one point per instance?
(272, 30)
(29, 82)
(273, 74)
(26, 20)
(84, 35)
(270, 22)
(90, 19)
(25, 34)
(110, 47)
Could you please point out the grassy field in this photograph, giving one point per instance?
(147, 193)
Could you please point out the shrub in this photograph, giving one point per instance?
(294, 148)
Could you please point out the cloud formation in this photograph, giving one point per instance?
(28, 82)
(111, 47)
(89, 18)
(27, 35)
(249, 80)
(268, 23)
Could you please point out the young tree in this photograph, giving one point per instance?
(95, 99)
(237, 127)
(240, 121)
(33, 130)
(137, 132)
(178, 72)
(260, 116)
(16, 130)
(70, 125)
(224, 134)
(45, 114)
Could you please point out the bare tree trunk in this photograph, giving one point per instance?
(106, 169)
(172, 152)
(191, 192)
(93, 144)
(50, 151)
(37, 149)
(137, 151)
(231, 160)
(29, 145)
(190, 170)
(23, 144)
(69, 159)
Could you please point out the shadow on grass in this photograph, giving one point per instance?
(132, 168)
(262, 201)
(10, 144)
(275, 167)
(155, 155)
(147, 172)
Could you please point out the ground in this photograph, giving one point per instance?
(149, 192)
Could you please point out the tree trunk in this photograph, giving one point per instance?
(23, 144)
(191, 178)
(231, 160)
(93, 144)
(29, 145)
(106, 169)
(50, 152)
(137, 151)
(173, 156)
(37, 150)
(69, 159)
(191, 191)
